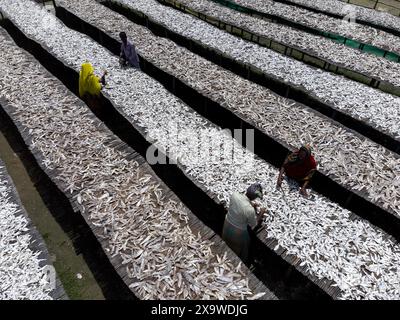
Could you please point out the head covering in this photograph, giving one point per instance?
(300, 169)
(254, 191)
(307, 149)
(294, 157)
(88, 82)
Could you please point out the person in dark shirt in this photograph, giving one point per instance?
(128, 55)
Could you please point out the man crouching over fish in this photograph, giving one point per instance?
(242, 213)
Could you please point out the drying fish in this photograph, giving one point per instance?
(326, 49)
(325, 23)
(342, 8)
(319, 228)
(155, 242)
(22, 274)
(379, 109)
(342, 155)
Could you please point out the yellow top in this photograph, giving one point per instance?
(88, 82)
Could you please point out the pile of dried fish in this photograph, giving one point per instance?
(343, 8)
(21, 273)
(361, 260)
(324, 23)
(335, 53)
(378, 109)
(348, 158)
(147, 230)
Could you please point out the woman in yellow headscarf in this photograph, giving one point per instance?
(89, 84)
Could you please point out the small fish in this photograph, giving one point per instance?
(22, 273)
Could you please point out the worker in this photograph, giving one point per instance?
(299, 166)
(90, 85)
(128, 55)
(242, 213)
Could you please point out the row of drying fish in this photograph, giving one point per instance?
(380, 110)
(22, 273)
(324, 23)
(359, 259)
(349, 159)
(147, 231)
(335, 53)
(342, 8)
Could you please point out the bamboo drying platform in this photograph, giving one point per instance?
(72, 198)
(194, 224)
(294, 261)
(37, 244)
(227, 117)
(306, 28)
(295, 52)
(338, 16)
(254, 74)
(298, 266)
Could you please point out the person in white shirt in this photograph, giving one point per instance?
(242, 213)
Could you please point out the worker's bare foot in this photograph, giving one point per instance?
(304, 193)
